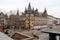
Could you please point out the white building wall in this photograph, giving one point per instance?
(51, 20)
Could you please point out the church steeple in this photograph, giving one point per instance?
(29, 7)
(45, 11)
(17, 12)
(36, 10)
(29, 10)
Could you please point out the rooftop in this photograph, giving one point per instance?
(4, 37)
(53, 30)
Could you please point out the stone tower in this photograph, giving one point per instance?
(45, 13)
(29, 14)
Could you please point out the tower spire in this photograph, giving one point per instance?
(45, 11)
(17, 12)
(29, 7)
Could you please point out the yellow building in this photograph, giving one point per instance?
(34, 18)
(29, 21)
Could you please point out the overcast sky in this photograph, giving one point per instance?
(52, 6)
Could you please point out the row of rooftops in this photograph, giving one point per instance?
(18, 35)
(13, 35)
(29, 10)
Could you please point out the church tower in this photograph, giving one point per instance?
(45, 13)
(29, 7)
(29, 15)
(17, 12)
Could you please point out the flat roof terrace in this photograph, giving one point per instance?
(52, 32)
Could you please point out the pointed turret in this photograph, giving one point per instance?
(36, 10)
(17, 12)
(29, 7)
(29, 10)
(1, 13)
(45, 11)
(6, 16)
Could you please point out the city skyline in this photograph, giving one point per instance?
(52, 6)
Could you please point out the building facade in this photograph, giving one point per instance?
(31, 17)
(51, 20)
(40, 18)
(2, 18)
(34, 18)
